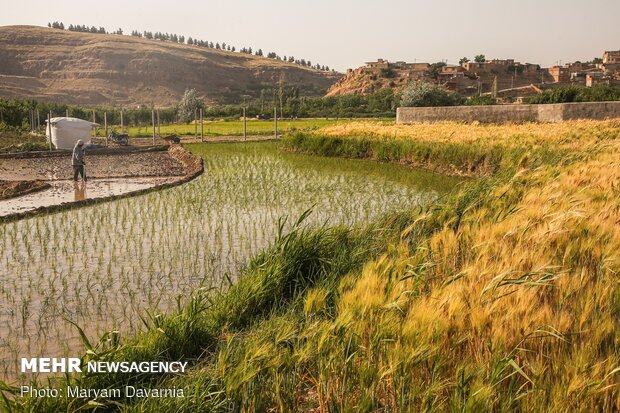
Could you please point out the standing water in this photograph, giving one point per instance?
(101, 266)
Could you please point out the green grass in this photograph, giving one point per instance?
(502, 296)
(102, 266)
(21, 142)
(235, 128)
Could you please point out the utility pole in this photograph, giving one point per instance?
(275, 122)
(105, 125)
(245, 130)
(122, 121)
(49, 127)
(202, 128)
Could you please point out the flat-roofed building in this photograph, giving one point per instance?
(611, 56)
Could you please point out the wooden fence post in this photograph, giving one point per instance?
(105, 125)
(202, 128)
(153, 121)
(49, 127)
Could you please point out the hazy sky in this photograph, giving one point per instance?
(346, 33)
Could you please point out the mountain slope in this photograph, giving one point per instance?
(98, 69)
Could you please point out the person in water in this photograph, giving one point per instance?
(77, 161)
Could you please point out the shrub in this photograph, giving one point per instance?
(420, 93)
(481, 100)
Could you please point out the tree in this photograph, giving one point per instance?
(436, 68)
(463, 60)
(421, 93)
(189, 105)
(480, 58)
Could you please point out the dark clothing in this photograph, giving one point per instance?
(78, 156)
(79, 170)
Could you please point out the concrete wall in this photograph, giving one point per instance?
(511, 113)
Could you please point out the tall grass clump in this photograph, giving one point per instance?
(152, 252)
(501, 296)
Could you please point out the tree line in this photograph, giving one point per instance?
(180, 39)
(17, 115)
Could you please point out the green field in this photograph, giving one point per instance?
(142, 252)
(235, 128)
(500, 296)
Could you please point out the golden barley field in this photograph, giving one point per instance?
(503, 296)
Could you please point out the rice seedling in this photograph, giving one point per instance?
(102, 266)
(502, 296)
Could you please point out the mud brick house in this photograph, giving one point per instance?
(611, 57)
(559, 73)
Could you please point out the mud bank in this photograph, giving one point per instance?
(12, 189)
(113, 176)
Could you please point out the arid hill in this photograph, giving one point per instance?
(103, 69)
(395, 76)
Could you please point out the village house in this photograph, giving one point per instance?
(450, 72)
(594, 77)
(379, 64)
(490, 66)
(611, 57)
(559, 73)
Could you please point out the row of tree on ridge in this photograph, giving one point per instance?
(174, 38)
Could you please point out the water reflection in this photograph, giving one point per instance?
(79, 191)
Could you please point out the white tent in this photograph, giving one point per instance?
(66, 132)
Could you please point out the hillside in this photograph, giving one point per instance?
(98, 69)
(383, 75)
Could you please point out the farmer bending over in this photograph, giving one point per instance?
(77, 160)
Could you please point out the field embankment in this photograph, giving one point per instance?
(11, 189)
(502, 297)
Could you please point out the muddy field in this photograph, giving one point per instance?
(11, 189)
(137, 164)
(35, 182)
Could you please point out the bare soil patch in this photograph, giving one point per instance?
(119, 165)
(12, 189)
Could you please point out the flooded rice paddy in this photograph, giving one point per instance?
(62, 192)
(100, 266)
